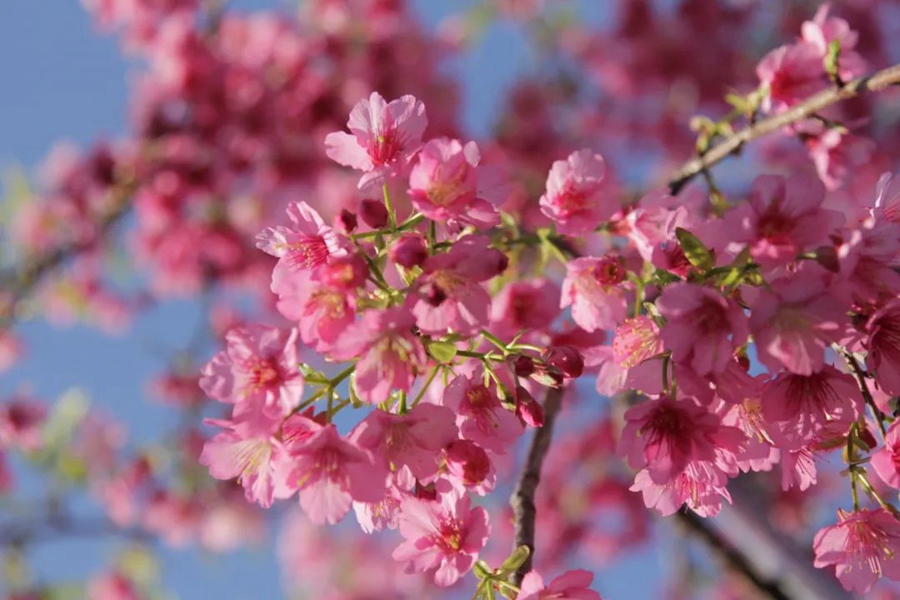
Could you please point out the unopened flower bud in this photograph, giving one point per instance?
(523, 365)
(567, 359)
(346, 221)
(373, 213)
(409, 251)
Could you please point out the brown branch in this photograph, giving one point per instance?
(522, 499)
(806, 109)
(734, 558)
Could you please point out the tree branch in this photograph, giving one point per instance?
(522, 499)
(806, 109)
(17, 285)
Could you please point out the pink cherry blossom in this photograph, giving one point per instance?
(702, 327)
(571, 585)
(809, 403)
(667, 435)
(445, 535)
(574, 197)
(636, 340)
(21, 420)
(383, 137)
(594, 288)
(524, 305)
(330, 473)
(469, 467)
(257, 371)
(864, 546)
(886, 461)
(304, 246)
(883, 345)
(793, 325)
(390, 354)
(481, 417)
(250, 451)
(446, 183)
(790, 74)
(450, 296)
(782, 219)
(413, 440)
(701, 485)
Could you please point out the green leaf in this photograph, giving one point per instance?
(696, 253)
(515, 560)
(443, 352)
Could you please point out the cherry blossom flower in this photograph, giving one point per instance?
(383, 137)
(809, 403)
(571, 585)
(390, 354)
(864, 546)
(446, 183)
(449, 296)
(413, 440)
(593, 288)
(330, 473)
(257, 371)
(481, 417)
(886, 461)
(574, 198)
(667, 435)
(883, 345)
(445, 535)
(702, 327)
(250, 451)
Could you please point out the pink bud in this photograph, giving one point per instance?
(523, 365)
(409, 251)
(528, 409)
(346, 221)
(373, 213)
(567, 359)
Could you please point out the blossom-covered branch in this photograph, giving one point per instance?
(733, 143)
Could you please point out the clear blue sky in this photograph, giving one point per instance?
(63, 81)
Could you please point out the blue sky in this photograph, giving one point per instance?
(61, 80)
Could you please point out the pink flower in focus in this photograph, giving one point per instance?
(480, 415)
(823, 30)
(594, 288)
(810, 403)
(667, 435)
(571, 585)
(782, 219)
(414, 440)
(383, 137)
(446, 535)
(702, 327)
(886, 461)
(450, 296)
(390, 354)
(864, 546)
(469, 467)
(883, 345)
(794, 324)
(257, 371)
(701, 485)
(330, 473)
(637, 339)
(574, 198)
(447, 183)
(323, 301)
(308, 244)
(250, 451)
(525, 305)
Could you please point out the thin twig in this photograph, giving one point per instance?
(522, 499)
(806, 109)
(734, 558)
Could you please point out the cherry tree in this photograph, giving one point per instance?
(662, 293)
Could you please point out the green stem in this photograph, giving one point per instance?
(425, 386)
(392, 218)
